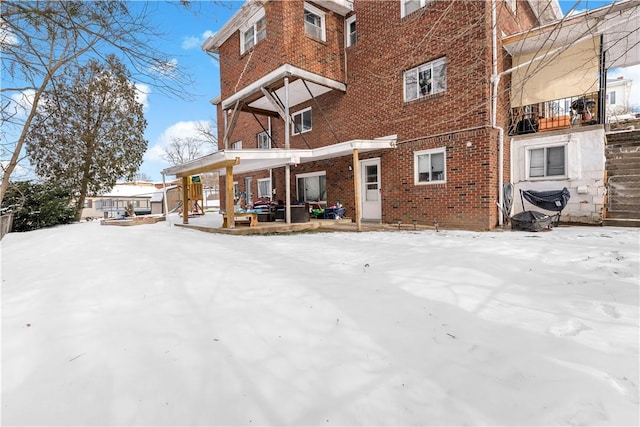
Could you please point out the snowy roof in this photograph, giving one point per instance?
(128, 190)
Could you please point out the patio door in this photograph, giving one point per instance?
(370, 191)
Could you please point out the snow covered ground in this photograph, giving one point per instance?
(159, 325)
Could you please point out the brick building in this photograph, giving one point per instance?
(387, 106)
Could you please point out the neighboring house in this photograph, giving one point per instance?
(619, 108)
(396, 108)
(113, 204)
(560, 105)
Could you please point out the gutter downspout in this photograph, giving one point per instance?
(287, 168)
(495, 81)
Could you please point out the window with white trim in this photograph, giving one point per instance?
(547, 161)
(312, 187)
(410, 6)
(314, 22)
(264, 142)
(350, 31)
(426, 79)
(430, 166)
(236, 145)
(236, 190)
(264, 188)
(254, 31)
(301, 122)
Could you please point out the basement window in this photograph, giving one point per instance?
(547, 162)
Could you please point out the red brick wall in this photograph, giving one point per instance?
(373, 105)
(286, 43)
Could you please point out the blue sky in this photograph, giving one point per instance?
(186, 31)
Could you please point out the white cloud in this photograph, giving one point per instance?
(192, 42)
(7, 38)
(22, 102)
(142, 94)
(185, 129)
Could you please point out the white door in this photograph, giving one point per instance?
(370, 191)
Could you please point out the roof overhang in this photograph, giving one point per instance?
(546, 11)
(252, 97)
(246, 11)
(250, 7)
(248, 160)
(617, 23)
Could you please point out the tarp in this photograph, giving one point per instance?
(531, 221)
(554, 200)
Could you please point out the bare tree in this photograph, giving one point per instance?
(142, 177)
(208, 132)
(182, 150)
(39, 38)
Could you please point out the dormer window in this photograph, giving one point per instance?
(314, 22)
(254, 31)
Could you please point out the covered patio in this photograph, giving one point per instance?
(228, 162)
(272, 96)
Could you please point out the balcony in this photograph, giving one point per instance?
(565, 113)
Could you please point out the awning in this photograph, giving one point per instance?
(248, 160)
(562, 60)
(253, 98)
(618, 23)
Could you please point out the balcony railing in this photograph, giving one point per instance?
(580, 110)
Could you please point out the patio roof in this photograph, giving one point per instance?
(303, 86)
(248, 160)
(617, 23)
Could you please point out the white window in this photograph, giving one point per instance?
(301, 122)
(312, 187)
(254, 31)
(350, 31)
(512, 4)
(236, 190)
(236, 145)
(314, 22)
(264, 188)
(547, 161)
(430, 166)
(410, 6)
(264, 142)
(426, 79)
